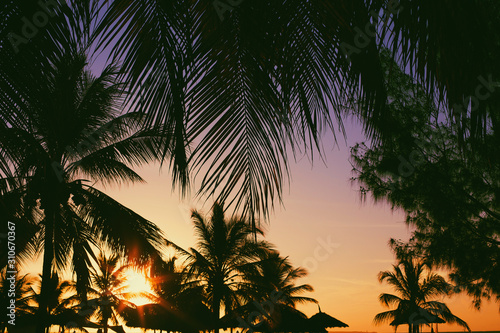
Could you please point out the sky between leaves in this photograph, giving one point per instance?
(325, 227)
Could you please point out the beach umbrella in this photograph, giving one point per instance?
(324, 320)
(288, 319)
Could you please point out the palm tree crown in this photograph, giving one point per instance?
(225, 249)
(417, 288)
(274, 273)
(67, 135)
(271, 282)
(109, 290)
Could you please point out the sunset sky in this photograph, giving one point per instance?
(320, 207)
(324, 227)
(322, 224)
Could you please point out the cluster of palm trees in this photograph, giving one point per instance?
(228, 97)
(236, 269)
(228, 271)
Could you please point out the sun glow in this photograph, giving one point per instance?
(137, 283)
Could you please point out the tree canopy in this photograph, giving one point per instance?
(445, 180)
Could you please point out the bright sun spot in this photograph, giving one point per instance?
(137, 283)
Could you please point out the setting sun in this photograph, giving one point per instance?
(137, 283)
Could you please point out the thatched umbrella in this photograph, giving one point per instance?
(287, 319)
(324, 320)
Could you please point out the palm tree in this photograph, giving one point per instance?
(22, 294)
(418, 287)
(223, 253)
(166, 280)
(109, 290)
(179, 300)
(240, 80)
(174, 287)
(274, 274)
(68, 135)
(61, 132)
(62, 301)
(271, 285)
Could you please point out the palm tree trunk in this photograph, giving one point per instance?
(216, 310)
(216, 307)
(48, 257)
(105, 322)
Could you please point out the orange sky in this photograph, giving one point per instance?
(321, 207)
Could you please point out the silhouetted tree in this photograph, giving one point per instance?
(62, 302)
(417, 288)
(72, 133)
(447, 182)
(225, 248)
(109, 293)
(270, 288)
(174, 286)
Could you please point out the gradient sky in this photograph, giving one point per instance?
(320, 207)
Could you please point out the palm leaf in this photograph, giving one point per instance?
(120, 228)
(384, 317)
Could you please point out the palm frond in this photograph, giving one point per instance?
(389, 299)
(238, 97)
(120, 228)
(384, 317)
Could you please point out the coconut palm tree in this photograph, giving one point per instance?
(73, 136)
(62, 302)
(175, 289)
(166, 280)
(244, 79)
(179, 302)
(109, 291)
(417, 287)
(275, 274)
(225, 249)
(22, 294)
(270, 288)
(62, 131)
